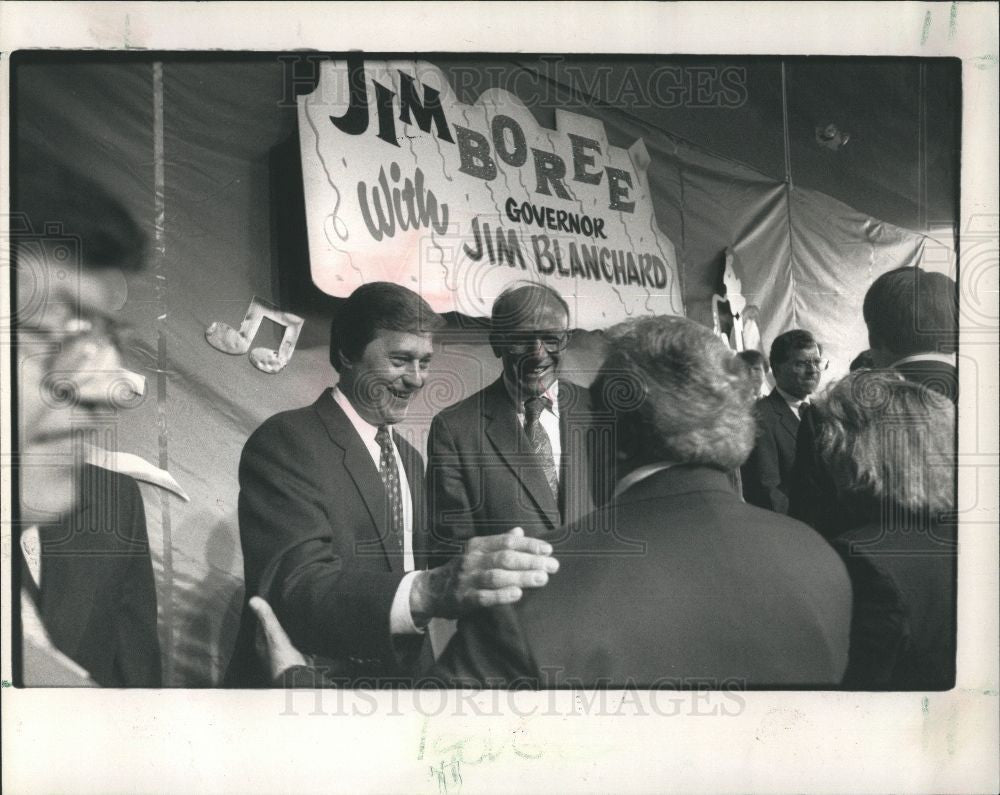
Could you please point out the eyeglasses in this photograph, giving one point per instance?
(811, 364)
(83, 336)
(526, 342)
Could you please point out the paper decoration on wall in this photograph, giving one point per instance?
(727, 309)
(223, 337)
(751, 329)
(406, 183)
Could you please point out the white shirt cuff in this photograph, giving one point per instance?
(400, 619)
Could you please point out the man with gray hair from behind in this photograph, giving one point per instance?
(676, 582)
(888, 444)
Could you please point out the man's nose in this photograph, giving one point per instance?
(535, 349)
(414, 376)
(105, 383)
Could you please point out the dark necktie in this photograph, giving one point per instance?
(541, 446)
(393, 492)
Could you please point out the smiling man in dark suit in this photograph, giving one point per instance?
(514, 453)
(521, 451)
(797, 365)
(332, 518)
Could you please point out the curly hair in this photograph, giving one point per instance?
(677, 393)
(888, 438)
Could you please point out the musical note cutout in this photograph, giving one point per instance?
(223, 337)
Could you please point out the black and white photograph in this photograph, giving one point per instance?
(504, 398)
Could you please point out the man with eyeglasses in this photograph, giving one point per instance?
(86, 578)
(516, 453)
(797, 365)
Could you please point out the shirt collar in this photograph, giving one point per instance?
(640, 473)
(364, 428)
(929, 356)
(791, 400)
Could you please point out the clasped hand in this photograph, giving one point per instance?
(493, 570)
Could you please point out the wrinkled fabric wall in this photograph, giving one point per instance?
(185, 145)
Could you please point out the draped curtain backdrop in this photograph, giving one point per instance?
(186, 143)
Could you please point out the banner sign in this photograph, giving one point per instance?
(405, 183)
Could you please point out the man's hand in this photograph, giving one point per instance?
(272, 643)
(493, 570)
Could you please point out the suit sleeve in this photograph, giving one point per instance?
(489, 650)
(761, 474)
(300, 550)
(450, 508)
(137, 659)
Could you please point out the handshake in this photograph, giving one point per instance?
(492, 570)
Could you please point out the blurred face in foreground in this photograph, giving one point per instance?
(69, 370)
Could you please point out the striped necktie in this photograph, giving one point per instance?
(393, 492)
(541, 445)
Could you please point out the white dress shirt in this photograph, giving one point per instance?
(793, 402)
(928, 356)
(400, 619)
(639, 474)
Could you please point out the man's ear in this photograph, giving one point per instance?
(881, 355)
(495, 344)
(345, 363)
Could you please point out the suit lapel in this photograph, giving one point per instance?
(362, 470)
(786, 417)
(507, 436)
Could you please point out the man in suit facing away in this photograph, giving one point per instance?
(332, 517)
(797, 366)
(708, 590)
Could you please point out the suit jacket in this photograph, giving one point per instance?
(315, 545)
(903, 624)
(719, 593)
(813, 496)
(767, 472)
(97, 598)
(483, 478)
